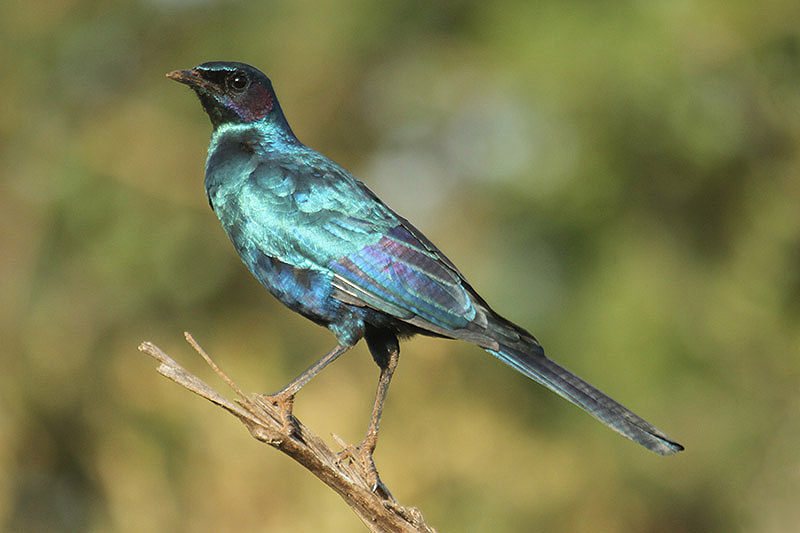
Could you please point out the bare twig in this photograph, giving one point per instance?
(379, 512)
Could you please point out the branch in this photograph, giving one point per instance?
(379, 511)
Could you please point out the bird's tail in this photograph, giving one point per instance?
(528, 359)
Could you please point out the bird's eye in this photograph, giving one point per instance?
(237, 81)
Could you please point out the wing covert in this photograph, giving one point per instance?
(401, 276)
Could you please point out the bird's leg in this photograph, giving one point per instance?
(371, 439)
(367, 447)
(284, 398)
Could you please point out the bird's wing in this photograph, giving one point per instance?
(400, 276)
(405, 275)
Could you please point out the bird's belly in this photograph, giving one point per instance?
(302, 290)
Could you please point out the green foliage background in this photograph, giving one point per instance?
(620, 178)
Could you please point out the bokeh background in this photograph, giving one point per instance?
(622, 179)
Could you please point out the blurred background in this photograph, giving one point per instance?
(621, 179)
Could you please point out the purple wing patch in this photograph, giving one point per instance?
(401, 276)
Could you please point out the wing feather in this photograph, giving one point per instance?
(399, 275)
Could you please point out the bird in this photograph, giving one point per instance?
(328, 248)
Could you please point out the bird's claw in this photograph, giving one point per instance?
(285, 404)
(363, 456)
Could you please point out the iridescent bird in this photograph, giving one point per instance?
(328, 248)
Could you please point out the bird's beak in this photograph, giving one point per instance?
(191, 78)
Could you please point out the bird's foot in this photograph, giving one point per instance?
(362, 455)
(285, 403)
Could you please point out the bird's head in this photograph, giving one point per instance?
(231, 92)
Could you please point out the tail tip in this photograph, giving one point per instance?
(664, 446)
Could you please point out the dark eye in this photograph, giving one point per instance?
(237, 81)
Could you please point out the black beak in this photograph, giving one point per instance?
(191, 78)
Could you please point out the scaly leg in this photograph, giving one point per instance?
(367, 447)
(284, 398)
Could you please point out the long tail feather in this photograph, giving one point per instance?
(566, 384)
